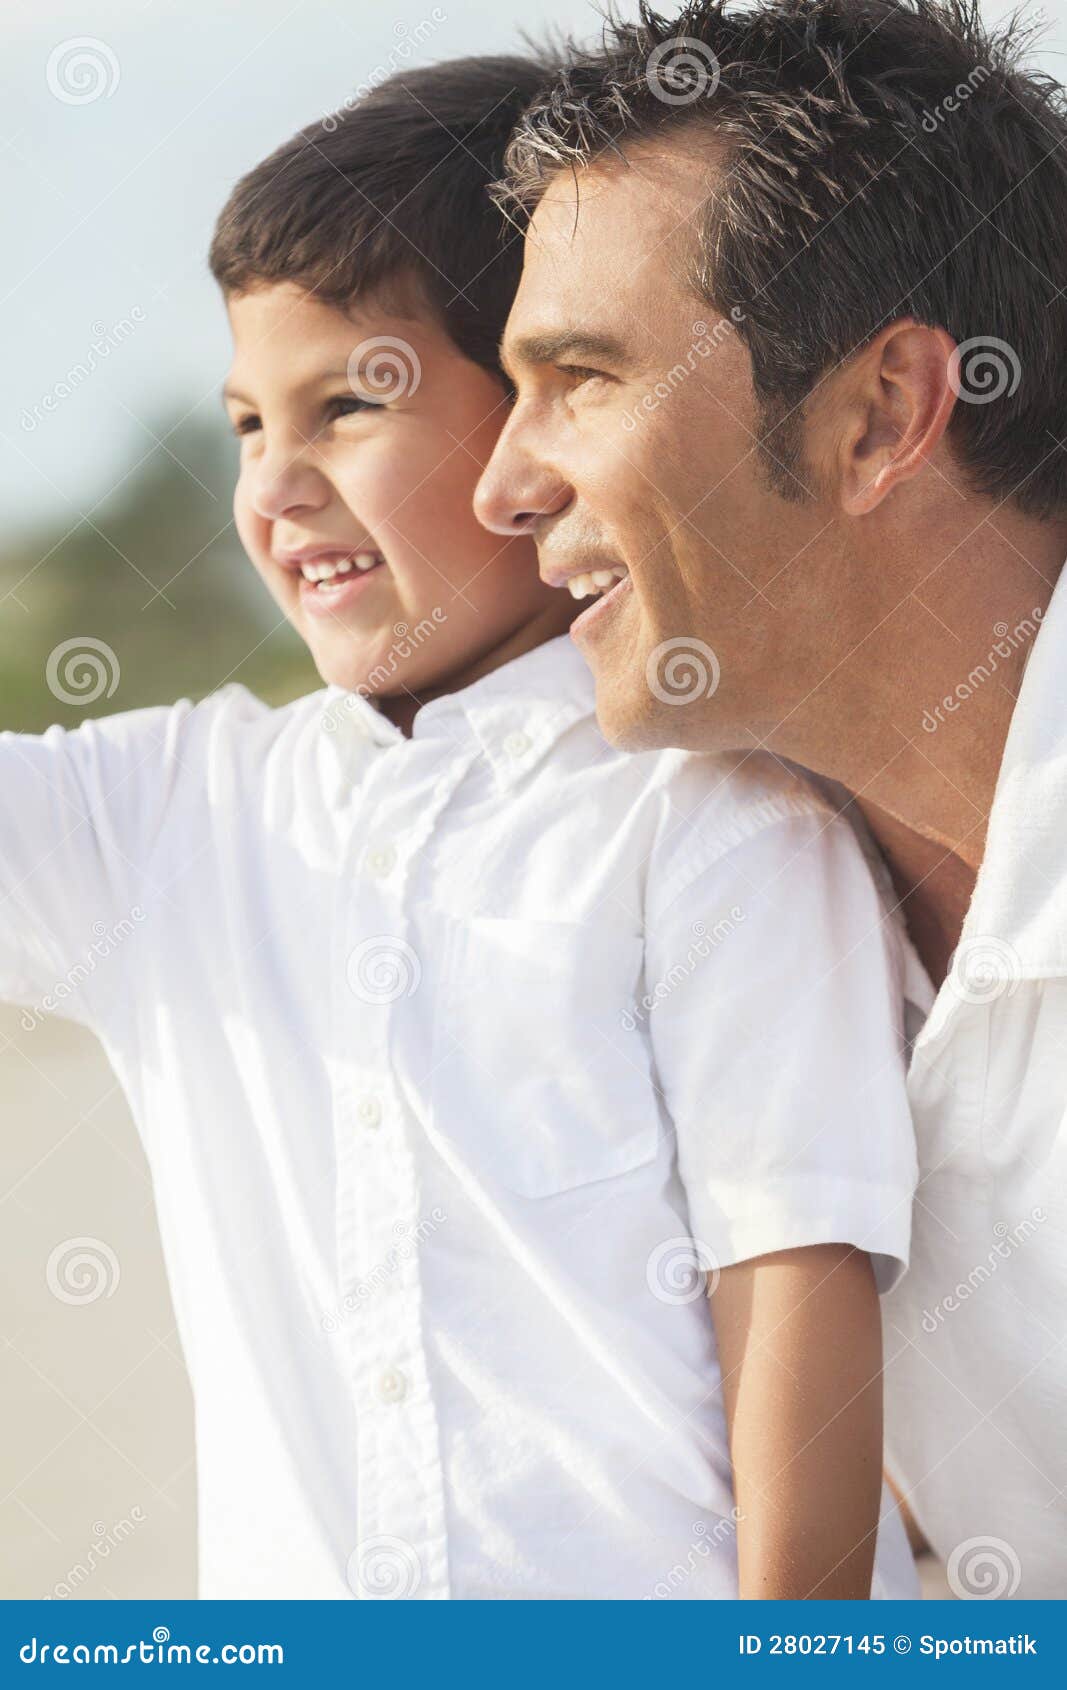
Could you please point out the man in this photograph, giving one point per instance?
(789, 351)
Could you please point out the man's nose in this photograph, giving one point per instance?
(517, 489)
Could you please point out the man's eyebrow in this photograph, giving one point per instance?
(549, 347)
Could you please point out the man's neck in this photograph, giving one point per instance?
(920, 718)
(933, 886)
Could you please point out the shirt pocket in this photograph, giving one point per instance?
(542, 1078)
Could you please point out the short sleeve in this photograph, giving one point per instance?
(78, 810)
(774, 997)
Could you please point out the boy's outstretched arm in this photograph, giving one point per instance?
(800, 1348)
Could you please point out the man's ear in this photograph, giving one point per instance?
(890, 411)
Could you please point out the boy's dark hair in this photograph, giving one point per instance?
(393, 192)
(883, 159)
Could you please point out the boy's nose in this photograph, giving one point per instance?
(286, 484)
(515, 492)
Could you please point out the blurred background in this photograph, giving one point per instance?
(124, 125)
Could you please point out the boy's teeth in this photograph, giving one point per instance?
(362, 561)
(595, 582)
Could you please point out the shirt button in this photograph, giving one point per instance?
(392, 1385)
(369, 1111)
(517, 744)
(382, 860)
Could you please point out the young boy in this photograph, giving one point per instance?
(525, 1120)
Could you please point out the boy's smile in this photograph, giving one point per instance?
(331, 577)
(363, 434)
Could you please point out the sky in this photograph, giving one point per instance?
(107, 202)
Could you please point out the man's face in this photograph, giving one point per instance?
(633, 448)
(362, 438)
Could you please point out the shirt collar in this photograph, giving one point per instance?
(514, 715)
(1019, 906)
(349, 718)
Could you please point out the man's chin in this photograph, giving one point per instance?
(642, 724)
(627, 722)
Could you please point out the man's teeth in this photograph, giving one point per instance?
(326, 571)
(597, 581)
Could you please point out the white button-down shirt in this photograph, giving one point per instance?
(462, 1063)
(977, 1421)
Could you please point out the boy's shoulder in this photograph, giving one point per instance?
(237, 706)
(726, 794)
(720, 796)
(738, 789)
(231, 706)
(167, 755)
(231, 715)
(755, 825)
(682, 812)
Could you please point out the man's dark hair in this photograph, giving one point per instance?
(882, 159)
(388, 200)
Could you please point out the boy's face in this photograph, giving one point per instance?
(362, 439)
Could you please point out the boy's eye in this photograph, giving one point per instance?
(343, 405)
(351, 404)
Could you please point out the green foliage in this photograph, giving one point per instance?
(156, 572)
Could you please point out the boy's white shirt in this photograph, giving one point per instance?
(443, 1052)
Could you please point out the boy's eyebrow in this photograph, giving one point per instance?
(317, 380)
(549, 347)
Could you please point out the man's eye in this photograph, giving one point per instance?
(580, 372)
